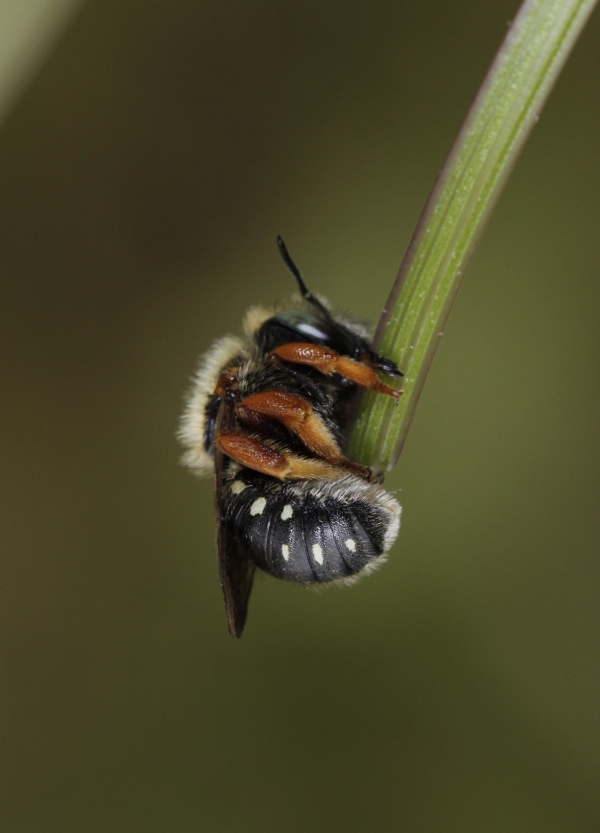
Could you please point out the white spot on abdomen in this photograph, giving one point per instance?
(287, 512)
(317, 553)
(237, 487)
(351, 545)
(285, 551)
(258, 507)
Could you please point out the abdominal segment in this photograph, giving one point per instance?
(310, 532)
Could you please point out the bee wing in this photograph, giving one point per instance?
(236, 570)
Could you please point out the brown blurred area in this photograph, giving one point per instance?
(145, 172)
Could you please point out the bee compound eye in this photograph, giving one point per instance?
(300, 325)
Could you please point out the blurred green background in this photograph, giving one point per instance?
(144, 174)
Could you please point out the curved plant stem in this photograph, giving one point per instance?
(504, 111)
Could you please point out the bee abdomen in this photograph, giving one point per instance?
(312, 532)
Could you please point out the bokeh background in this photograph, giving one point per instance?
(145, 169)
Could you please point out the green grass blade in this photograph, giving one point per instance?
(506, 108)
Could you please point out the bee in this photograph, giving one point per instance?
(268, 413)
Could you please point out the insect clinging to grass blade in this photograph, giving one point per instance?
(268, 413)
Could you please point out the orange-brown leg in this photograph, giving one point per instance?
(261, 457)
(328, 361)
(226, 381)
(300, 419)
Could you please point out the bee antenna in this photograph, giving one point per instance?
(304, 290)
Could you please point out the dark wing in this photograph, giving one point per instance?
(236, 570)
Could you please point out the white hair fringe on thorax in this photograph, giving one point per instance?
(193, 422)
